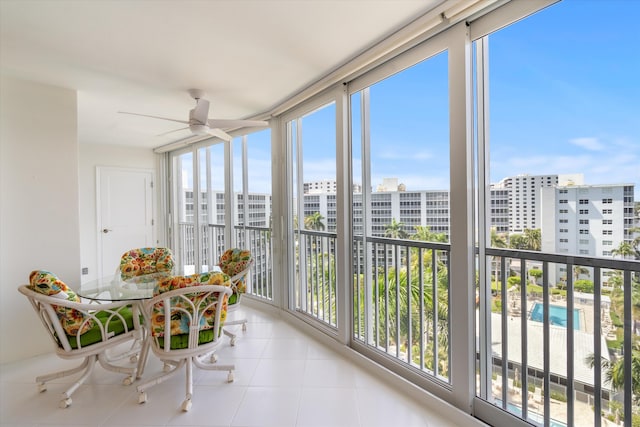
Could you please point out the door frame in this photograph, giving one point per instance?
(100, 170)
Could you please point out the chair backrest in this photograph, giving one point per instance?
(188, 311)
(72, 324)
(146, 262)
(44, 282)
(236, 263)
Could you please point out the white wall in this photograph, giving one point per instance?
(92, 156)
(39, 209)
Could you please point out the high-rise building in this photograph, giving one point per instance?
(523, 192)
(586, 220)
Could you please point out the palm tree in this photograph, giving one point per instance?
(533, 239)
(424, 234)
(517, 241)
(614, 371)
(314, 221)
(624, 250)
(498, 240)
(579, 271)
(395, 230)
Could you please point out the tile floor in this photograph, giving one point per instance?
(283, 378)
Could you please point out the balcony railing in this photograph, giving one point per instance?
(558, 336)
(401, 302)
(561, 336)
(315, 275)
(256, 239)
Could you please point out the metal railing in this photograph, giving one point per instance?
(258, 241)
(401, 300)
(315, 275)
(213, 244)
(557, 330)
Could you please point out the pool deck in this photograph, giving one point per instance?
(583, 340)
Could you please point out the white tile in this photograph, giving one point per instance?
(278, 373)
(329, 373)
(282, 378)
(163, 402)
(245, 368)
(319, 351)
(322, 407)
(380, 407)
(254, 330)
(282, 329)
(211, 405)
(286, 348)
(268, 406)
(250, 348)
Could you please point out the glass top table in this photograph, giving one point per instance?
(112, 288)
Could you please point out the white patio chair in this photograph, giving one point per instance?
(237, 264)
(185, 320)
(81, 330)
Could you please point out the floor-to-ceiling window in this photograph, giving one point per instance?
(558, 153)
(311, 137)
(253, 219)
(222, 198)
(549, 101)
(400, 157)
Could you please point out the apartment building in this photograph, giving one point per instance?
(523, 195)
(586, 220)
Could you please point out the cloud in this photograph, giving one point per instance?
(591, 144)
(614, 169)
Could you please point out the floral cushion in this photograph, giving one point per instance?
(144, 261)
(49, 284)
(232, 262)
(180, 321)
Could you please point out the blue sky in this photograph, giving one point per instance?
(564, 93)
(564, 98)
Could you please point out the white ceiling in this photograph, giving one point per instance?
(143, 55)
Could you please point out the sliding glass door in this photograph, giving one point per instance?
(221, 198)
(311, 139)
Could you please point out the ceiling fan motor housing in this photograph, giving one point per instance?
(198, 129)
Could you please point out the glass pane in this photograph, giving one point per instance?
(238, 171)
(185, 211)
(409, 115)
(401, 281)
(260, 212)
(314, 148)
(564, 155)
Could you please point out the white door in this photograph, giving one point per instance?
(125, 214)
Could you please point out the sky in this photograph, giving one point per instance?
(564, 90)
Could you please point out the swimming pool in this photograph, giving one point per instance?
(557, 315)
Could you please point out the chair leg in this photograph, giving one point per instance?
(144, 355)
(158, 379)
(231, 335)
(213, 366)
(87, 365)
(105, 363)
(186, 405)
(43, 379)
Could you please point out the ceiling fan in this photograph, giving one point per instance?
(200, 124)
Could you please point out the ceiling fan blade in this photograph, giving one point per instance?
(232, 124)
(201, 112)
(155, 117)
(172, 131)
(220, 134)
